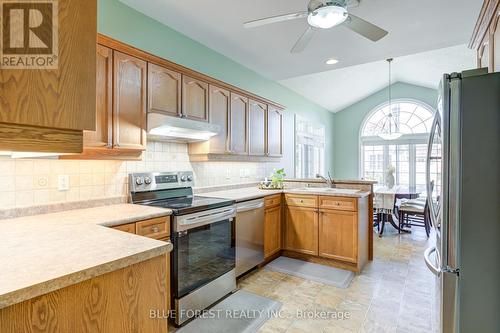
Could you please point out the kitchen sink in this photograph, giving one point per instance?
(327, 190)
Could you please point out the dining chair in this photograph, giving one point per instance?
(415, 212)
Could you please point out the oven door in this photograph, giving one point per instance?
(202, 254)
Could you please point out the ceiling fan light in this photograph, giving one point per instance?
(327, 17)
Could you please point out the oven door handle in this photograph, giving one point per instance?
(200, 220)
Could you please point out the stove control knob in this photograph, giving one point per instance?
(190, 178)
(147, 180)
(183, 178)
(139, 181)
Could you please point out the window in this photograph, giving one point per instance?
(408, 154)
(309, 148)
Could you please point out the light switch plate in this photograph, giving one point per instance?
(63, 182)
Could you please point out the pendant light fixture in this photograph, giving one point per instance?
(390, 127)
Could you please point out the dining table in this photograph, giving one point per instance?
(384, 205)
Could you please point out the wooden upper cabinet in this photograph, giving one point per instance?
(48, 108)
(102, 136)
(484, 53)
(164, 90)
(257, 128)
(274, 132)
(495, 30)
(301, 230)
(220, 106)
(194, 98)
(129, 107)
(63, 97)
(338, 235)
(486, 36)
(238, 143)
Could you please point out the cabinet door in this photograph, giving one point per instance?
(102, 137)
(274, 132)
(129, 109)
(484, 53)
(238, 143)
(338, 235)
(272, 231)
(194, 98)
(63, 96)
(164, 90)
(130, 228)
(496, 42)
(257, 128)
(220, 104)
(301, 230)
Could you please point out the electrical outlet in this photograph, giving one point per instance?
(63, 182)
(42, 182)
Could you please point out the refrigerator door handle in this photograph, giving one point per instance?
(432, 209)
(428, 261)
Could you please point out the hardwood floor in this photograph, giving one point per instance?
(392, 294)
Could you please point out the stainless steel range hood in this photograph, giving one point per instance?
(167, 128)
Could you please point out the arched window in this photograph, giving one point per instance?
(407, 153)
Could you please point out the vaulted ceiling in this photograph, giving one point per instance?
(337, 89)
(415, 27)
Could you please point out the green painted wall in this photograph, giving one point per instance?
(127, 25)
(348, 124)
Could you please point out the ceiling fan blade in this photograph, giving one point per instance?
(274, 19)
(303, 40)
(365, 28)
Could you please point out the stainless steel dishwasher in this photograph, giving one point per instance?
(249, 235)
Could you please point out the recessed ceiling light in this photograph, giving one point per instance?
(331, 61)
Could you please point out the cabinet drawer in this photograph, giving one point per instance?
(157, 228)
(338, 203)
(126, 228)
(273, 200)
(301, 200)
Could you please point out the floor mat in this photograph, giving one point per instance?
(325, 274)
(240, 312)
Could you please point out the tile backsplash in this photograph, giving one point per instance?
(32, 182)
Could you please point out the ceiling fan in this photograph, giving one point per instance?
(325, 14)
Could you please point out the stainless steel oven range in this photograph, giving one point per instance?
(203, 236)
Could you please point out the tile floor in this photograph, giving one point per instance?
(392, 294)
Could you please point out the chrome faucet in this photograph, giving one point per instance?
(329, 180)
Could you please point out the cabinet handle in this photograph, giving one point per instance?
(155, 229)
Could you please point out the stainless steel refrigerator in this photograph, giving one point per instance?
(463, 185)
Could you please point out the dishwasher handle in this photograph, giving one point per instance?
(247, 206)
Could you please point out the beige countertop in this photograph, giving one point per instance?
(249, 193)
(43, 253)
(335, 181)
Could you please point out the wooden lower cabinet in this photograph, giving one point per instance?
(118, 301)
(338, 235)
(301, 230)
(157, 228)
(272, 231)
(130, 228)
(329, 230)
